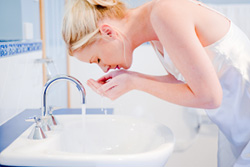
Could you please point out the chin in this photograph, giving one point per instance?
(127, 67)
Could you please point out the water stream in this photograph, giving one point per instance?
(103, 110)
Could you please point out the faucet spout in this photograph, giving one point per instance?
(56, 79)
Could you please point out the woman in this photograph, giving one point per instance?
(206, 55)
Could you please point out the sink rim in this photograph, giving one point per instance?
(132, 120)
(9, 154)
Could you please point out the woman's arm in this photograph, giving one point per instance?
(177, 93)
(117, 83)
(175, 27)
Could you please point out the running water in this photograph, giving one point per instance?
(84, 130)
(84, 116)
(103, 110)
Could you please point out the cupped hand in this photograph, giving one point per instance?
(114, 84)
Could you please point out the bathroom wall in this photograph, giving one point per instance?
(13, 15)
(30, 14)
(19, 70)
(55, 51)
(20, 76)
(9, 30)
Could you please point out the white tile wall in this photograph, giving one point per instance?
(20, 84)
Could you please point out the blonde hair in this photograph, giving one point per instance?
(81, 17)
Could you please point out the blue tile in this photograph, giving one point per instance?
(14, 48)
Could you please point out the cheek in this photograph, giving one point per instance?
(115, 55)
(108, 57)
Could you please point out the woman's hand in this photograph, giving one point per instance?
(114, 84)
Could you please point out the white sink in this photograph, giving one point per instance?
(94, 140)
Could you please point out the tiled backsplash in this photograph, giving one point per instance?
(20, 78)
(14, 48)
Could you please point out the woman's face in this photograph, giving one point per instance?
(110, 53)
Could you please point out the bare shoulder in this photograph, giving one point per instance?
(169, 11)
(167, 3)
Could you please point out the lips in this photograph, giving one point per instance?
(107, 69)
(114, 68)
(117, 67)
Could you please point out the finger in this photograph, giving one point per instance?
(94, 85)
(107, 86)
(104, 79)
(113, 93)
(108, 76)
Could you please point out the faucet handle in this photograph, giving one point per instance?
(52, 120)
(41, 122)
(37, 132)
(35, 119)
(45, 123)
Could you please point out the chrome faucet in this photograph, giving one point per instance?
(45, 110)
(47, 119)
(56, 79)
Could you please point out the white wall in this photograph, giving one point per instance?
(20, 83)
(13, 13)
(20, 77)
(55, 50)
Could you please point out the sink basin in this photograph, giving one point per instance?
(94, 140)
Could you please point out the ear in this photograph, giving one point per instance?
(108, 30)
